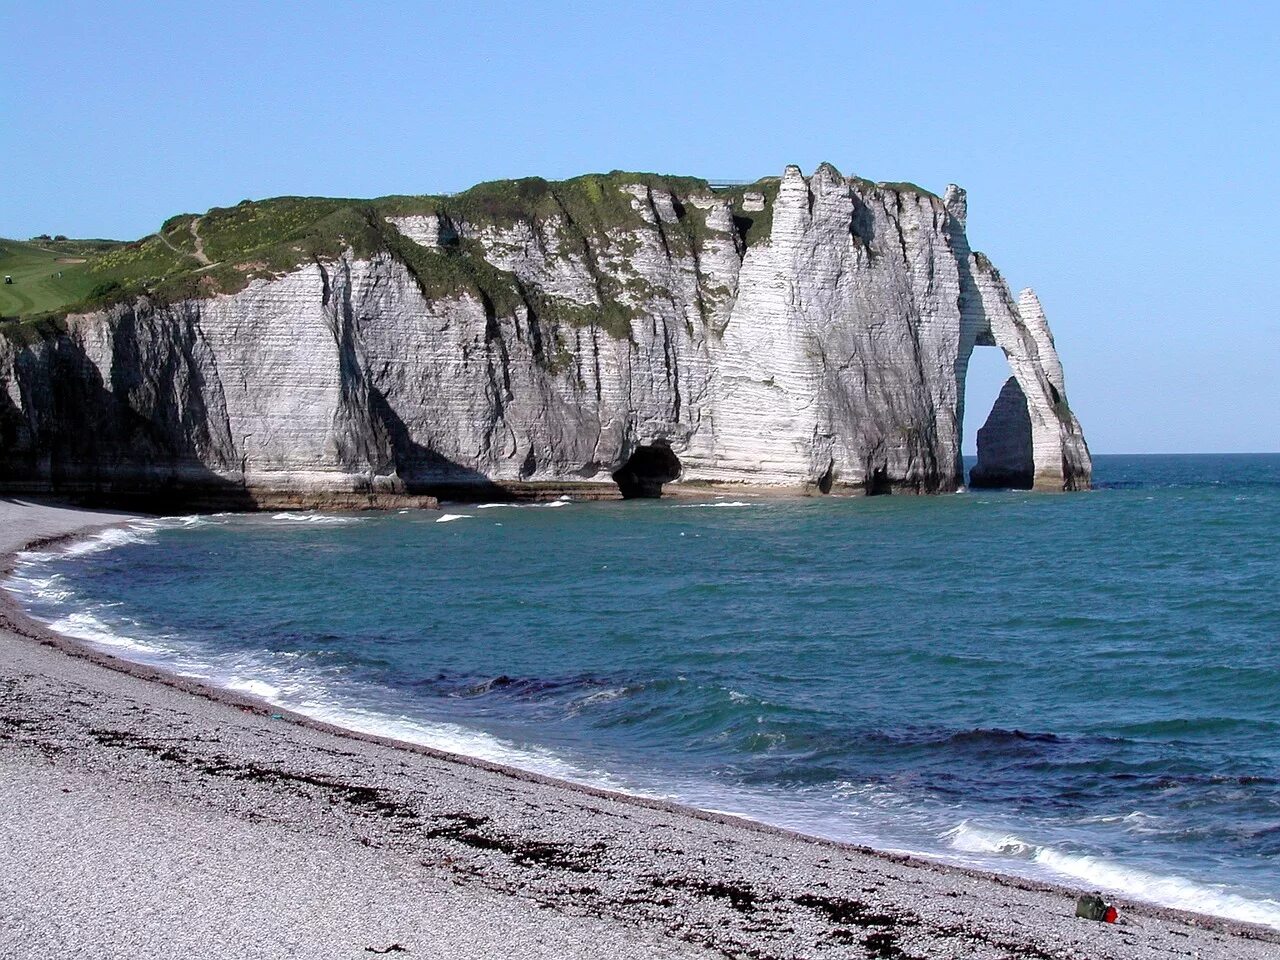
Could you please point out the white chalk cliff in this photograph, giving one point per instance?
(827, 353)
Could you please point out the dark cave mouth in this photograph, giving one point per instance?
(878, 483)
(643, 475)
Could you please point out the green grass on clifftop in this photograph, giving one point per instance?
(222, 250)
(227, 247)
(47, 274)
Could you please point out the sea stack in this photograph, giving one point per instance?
(616, 332)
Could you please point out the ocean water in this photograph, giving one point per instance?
(1083, 688)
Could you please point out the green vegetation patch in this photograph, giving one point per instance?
(454, 271)
(46, 274)
(29, 330)
(593, 217)
(137, 267)
(594, 204)
(284, 231)
(219, 252)
(906, 186)
(753, 226)
(892, 186)
(449, 272)
(239, 244)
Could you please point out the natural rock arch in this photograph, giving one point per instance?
(1031, 439)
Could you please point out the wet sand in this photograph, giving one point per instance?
(143, 815)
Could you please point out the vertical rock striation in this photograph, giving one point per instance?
(806, 333)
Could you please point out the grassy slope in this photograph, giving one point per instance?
(35, 266)
(270, 237)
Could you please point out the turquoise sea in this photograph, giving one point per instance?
(1081, 688)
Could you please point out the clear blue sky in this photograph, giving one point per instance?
(1120, 158)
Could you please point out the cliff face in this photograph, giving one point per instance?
(813, 333)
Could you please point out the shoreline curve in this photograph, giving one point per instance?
(71, 524)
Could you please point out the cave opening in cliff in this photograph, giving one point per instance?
(878, 484)
(647, 470)
(827, 479)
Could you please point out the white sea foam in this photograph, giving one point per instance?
(449, 737)
(324, 695)
(1172, 891)
(255, 688)
(54, 599)
(970, 839)
(286, 680)
(317, 518)
(600, 696)
(453, 516)
(50, 589)
(138, 531)
(83, 625)
(1137, 821)
(560, 502)
(142, 532)
(193, 520)
(718, 503)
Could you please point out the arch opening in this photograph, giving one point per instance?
(984, 378)
(997, 425)
(643, 475)
(1006, 447)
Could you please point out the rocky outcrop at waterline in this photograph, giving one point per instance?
(618, 332)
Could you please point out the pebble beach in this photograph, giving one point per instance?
(146, 815)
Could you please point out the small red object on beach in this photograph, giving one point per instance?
(1111, 915)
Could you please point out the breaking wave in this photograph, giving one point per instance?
(1108, 875)
(323, 519)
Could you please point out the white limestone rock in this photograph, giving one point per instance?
(956, 200)
(829, 355)
(425, 229)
